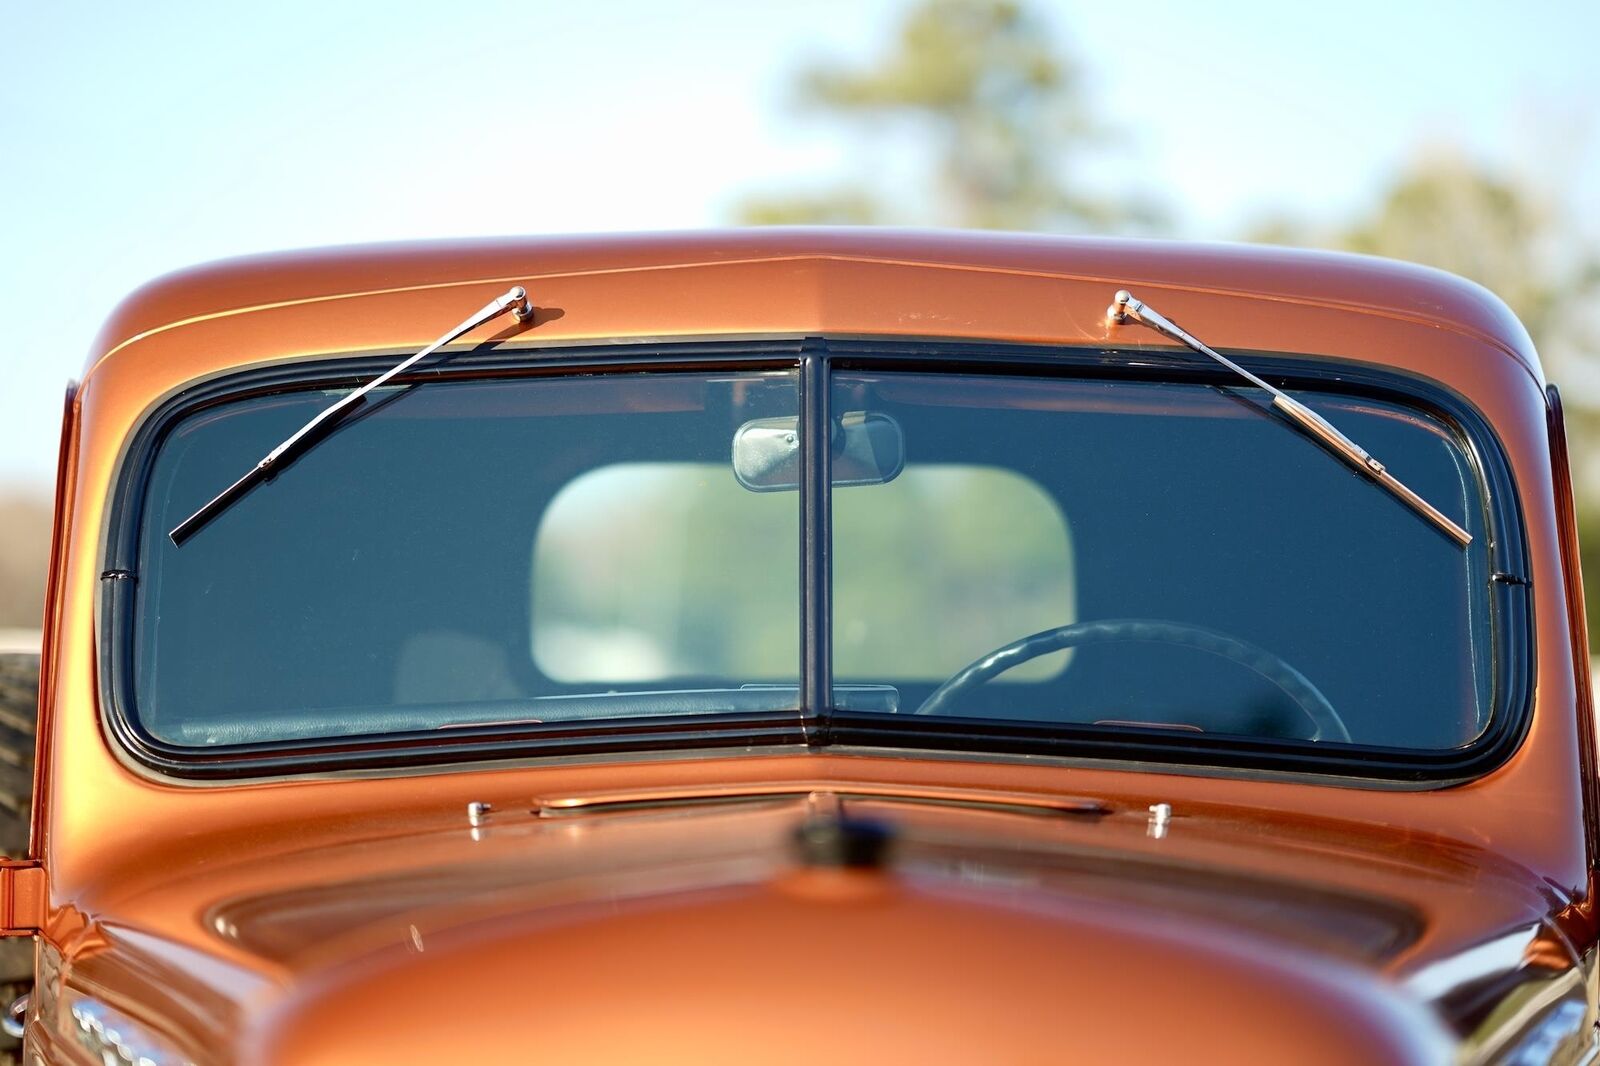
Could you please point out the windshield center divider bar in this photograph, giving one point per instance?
(816, 555)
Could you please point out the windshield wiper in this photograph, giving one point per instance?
(514, 300)
(1125, 308)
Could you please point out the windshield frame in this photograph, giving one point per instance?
(820, 725)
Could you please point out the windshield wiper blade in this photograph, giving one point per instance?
(514, 300)
(1124, 308)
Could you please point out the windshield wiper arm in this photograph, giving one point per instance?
(1124, 308)
(514, 300)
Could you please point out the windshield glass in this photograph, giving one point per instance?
(1153, 557)
(1227, 575)
(386, 581)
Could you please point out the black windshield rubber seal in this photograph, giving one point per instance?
(820, 725)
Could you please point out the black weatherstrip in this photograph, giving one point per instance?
(816, 547)
(1510, 594)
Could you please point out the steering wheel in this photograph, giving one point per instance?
(1325, 721)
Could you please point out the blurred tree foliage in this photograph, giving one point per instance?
(1445, 211)
(983, 89)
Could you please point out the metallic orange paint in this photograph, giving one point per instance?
(360, 918)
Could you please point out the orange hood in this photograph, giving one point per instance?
(682, 928)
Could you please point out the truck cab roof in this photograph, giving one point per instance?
(1018, 287)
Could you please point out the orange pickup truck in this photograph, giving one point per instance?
(812, 647)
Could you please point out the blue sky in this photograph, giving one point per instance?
(138, 138)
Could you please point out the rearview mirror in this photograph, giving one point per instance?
(868, 449)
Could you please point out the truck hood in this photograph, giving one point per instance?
(836, 966)
(1001, 929)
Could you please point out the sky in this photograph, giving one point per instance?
(139, 138)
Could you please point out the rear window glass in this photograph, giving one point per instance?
(936, 566)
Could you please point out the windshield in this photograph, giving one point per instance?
(1132, 556)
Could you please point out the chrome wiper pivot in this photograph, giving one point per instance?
(1125, 308)
(514, 300)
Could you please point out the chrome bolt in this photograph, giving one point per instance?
(521, 310)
